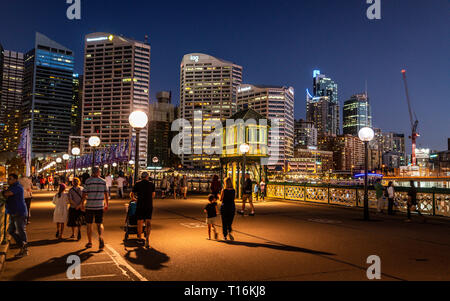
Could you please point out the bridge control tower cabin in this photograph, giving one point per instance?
(245, 147)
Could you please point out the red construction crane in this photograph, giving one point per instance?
(414, 122)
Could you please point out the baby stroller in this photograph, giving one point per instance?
(131, 221)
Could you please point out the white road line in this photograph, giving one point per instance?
(98, 262)
(120, 261)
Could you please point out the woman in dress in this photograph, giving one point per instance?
(60, 200)
(228, 208)
(75, 214)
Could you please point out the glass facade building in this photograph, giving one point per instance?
(356, 114)
(322, 107)
(11, 90)
(48, 92)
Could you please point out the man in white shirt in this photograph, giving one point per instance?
(120, 180)
(27, 185)
(109, 181)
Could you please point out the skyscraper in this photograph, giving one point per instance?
(47, 99)
(357, 114)
(11, 90)
(161, 115)
(207, 85)
(305, 134)
(116, 82)
(76, 104)
(273, 102)
(322, 108)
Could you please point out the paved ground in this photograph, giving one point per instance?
(284, 241)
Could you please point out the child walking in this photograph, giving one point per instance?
(60, 200)
(211, 211)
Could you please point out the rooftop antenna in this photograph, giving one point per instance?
(146, 39)
(366, 89)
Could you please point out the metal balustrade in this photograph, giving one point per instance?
(431, 201)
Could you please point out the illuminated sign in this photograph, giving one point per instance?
(96, 39)
(291, 90)
(195, 58)
(316, 72)
(245, 89)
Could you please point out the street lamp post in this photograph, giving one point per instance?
(244, 148)
(75, 152)
(94, 141)
(138, 120)
(366, 135)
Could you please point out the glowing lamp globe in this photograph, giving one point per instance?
(138, 119)
(114, 164)
(58, 160)
(76, 151)
(131, 162)
(66, 156)
(244, 148)
(94, 141)
(155, 160)
(366, 134)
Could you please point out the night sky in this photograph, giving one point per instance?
(277, 43)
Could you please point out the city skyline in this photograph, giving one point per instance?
(368, 51)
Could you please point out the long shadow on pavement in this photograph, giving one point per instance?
(150, 259)
(275, 247)
(53, 266)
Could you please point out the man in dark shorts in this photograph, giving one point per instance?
(247, 195)
(95, 202)
(144, 192)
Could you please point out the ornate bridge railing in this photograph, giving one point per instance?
(432, 201)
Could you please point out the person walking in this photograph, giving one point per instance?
(49, 182)
(184, 186)
(256, 191)
(216, 187)
(379, 196)
(27, 185)
(95, 203)
(109, 181)
(211, 215)
(60, 200)
(262, 189)
(227, 208)
(390, 194)
(247, 195)
(120, 183)
(17, 210)
(176, 187)
(55, 183)
(75, 197)
(164, 187)
(144, 193)
(412, 202)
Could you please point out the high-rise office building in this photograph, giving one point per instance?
(11, 95)
(305, 134)
(322, 108)
(47, 98)
(348, 151)
(207, 85)
(161, 115)
(76, 104)
(116, 82)
(356, 114)
(272, 102)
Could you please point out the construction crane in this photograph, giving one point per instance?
(414, 122)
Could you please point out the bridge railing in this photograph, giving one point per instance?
(432, 201)
(3, 222)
